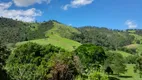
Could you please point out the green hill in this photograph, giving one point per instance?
(56, 34)
(55, 40)
(12, 31)
(62, 30)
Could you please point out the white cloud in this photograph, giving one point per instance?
(131, 24)
(23, 15)
(70, 24)
(26, 3)
(77, 3)
(65, 7)
(5, 5)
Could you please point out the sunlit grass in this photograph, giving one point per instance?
(56, 40)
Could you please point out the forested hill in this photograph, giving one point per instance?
(13, 31)
(104, 37)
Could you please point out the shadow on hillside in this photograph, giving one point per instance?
(125, 76)
(113, 78)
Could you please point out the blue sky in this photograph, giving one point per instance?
(114, 14)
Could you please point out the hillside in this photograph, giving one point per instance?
(12, 31)
(55, 40)
(62, 30)
(112, 39)
(137, 47)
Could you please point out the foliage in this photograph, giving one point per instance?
(63, 67)
(139, 65)
(29, 61)
(93, 75)
(132, 59)
(4, 53)
(12, 31)
(111, 39)
(129, 50)
(116, 62)
(90, 54)
(96, 76)
(3, 75)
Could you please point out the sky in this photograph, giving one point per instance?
(113, 14)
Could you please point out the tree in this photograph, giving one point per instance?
(90, 54)
(4, 53)
(139, 65)
(116, 62)
(30, 61)
(63, 67)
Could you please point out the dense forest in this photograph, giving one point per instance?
(35, 51)
(111, 39)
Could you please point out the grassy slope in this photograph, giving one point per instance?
(137, 37)
(135, 46)
(62, 30)
(55, 40)
(130, 73)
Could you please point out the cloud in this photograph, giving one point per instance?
(23, 15)
(70, 24)
(77, 3)
(131, 24)
(26, 3)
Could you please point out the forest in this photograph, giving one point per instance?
(51, 50)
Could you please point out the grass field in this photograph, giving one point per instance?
(130, 75)
(131, 31)
(55, 40)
